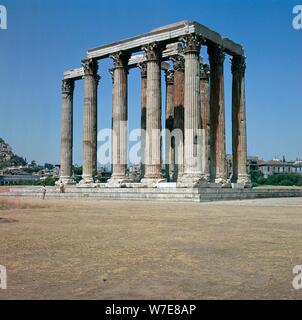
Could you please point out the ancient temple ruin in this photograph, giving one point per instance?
(195, 152)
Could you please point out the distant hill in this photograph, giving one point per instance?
(8, 158)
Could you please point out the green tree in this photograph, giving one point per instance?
(277, 179)
(48, 166)
(77, 170)
(49, 181)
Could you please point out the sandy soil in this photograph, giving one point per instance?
(63, 249)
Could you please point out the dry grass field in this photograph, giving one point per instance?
(63, 249)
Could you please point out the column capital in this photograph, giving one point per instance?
(204, 71)
(216, 55)
(143, 67)
(238, 64)
(68, 86)
(178, 63)
(153, 51)
(192, 43)
(169, 76)
(120, 59)
(90, 67)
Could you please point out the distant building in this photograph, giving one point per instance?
(17, 179)
(252, 164)
(278, 166)
(25, 174)
(56, 171)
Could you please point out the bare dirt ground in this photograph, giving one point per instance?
(63, 249)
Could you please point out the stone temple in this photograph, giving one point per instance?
(195, 149)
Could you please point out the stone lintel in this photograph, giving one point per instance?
(232, 48)
(167, 34)
(139, 58)
(136, 60)
(76, 74)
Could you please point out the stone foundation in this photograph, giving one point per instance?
(166, 193)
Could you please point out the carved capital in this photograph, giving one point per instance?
(121, 59)
(192, 43)
(169, 76)
(153, 52)
(68, 86)
(216, 55)
(90, 67)
(204, 71)
(143, 67)
(179, 63)
(238, 64)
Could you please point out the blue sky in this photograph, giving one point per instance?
(46, 37)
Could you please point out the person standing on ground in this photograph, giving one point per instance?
(43, 192)
(62, 187)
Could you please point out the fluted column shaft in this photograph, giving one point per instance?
(192, 112)
(153, 114)
(91, 80)
(205, 119)
(67, 131)
(178, 123)
(217, 115)
(239, 139)
(143, 68)
(120, 116)
(192, 147)
(169, 148)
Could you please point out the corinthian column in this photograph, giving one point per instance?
(119, 118)
(178, 123)
(239, 122)
(217, 116)
(153, 115)
(143, 67)
(91, 80)
(205, 119)
(192, 176)
(169, 148)
(67, 132)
